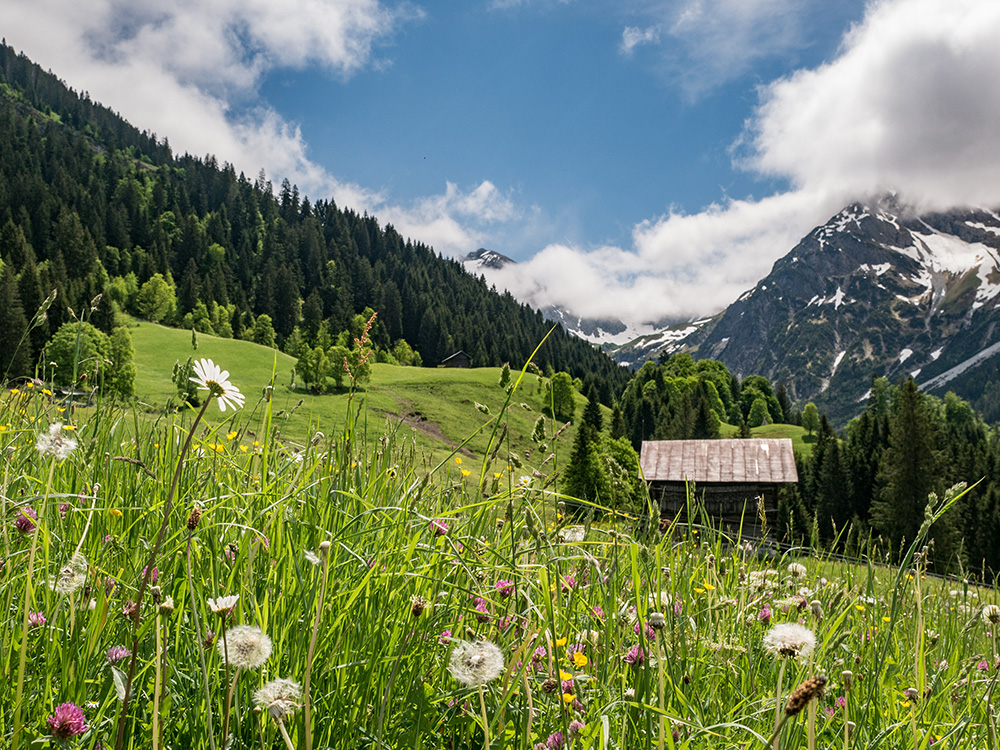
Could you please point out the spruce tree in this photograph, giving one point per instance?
(909, 471)
(15, 344)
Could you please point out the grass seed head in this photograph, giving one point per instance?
(800, 697)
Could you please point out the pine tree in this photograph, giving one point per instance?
(909, 471)
(15, 344)
(592, 412)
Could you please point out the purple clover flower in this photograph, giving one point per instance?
(67, 722)
(25, 521)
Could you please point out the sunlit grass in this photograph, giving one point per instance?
(418, 559)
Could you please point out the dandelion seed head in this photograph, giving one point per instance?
(789, 639)
(56, 443)
(991, 614)
(278, 697)
(248, 647)
(476, 662)
(797, 570)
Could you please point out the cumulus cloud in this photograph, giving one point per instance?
(912, 103)
(454, 222)
(184, 69)
(633, 36)
(680, 266)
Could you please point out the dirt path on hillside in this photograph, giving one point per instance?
(418, 421)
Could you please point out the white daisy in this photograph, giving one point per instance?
(212, 378)
(224, 604)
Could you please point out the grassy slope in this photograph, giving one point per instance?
(801, 442)
(436, 406)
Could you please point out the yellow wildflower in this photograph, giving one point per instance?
(561, 641)
(580, 659)
(115, 512)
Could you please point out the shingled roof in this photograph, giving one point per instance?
(753, 460)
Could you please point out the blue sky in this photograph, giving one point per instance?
(641, 159)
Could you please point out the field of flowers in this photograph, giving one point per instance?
(194, 582)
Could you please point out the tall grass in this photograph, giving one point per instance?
(413, 561)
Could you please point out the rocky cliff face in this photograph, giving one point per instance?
(874, 291)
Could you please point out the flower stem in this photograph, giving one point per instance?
(306, 702)
(486, 723)
(156, 686)
(284, 735)
(778, 722)
(28, 596)
(168, 505)
(201, 649)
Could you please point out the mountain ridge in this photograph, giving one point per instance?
(877, 290)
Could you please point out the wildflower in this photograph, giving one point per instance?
(212, 378)
(555, 741)
(575, 727)
(439, 527)
(444, 637)
(764, 615)
(224, 605)
(278, 697)
(797, 570)
(131, 610)
(67, 722)
(482, 610)
(635, 657)
(72, 576)
(816, 607)
(55, 443)
(166, 607)
(790, 640)
(991, 614)
(36, 619)
(597, 612)
(153, 576)
(25, 521)
(579, 659)
(476, 663)
(568, 583)
(847, 678)
(209, 640)
(657, 621)
(116, 654)
(248, 647)
(504, 587)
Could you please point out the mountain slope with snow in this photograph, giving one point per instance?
(874, 291)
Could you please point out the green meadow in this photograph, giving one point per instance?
(163, 588)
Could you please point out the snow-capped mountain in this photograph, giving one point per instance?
(606, 331)
(875, 291)
(483, 260)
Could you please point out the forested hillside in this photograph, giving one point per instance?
(90, 206)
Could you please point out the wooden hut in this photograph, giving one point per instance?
(737, 481)
(458, 359)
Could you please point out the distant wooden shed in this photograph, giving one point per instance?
(458, 359)
(734, 479)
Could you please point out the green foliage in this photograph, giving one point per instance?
(263, 331)
(810, 418)
(157, 301)
(561, 402)
(121, 372)
(78, 355)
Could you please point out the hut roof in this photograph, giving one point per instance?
(754, 460)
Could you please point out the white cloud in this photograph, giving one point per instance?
(912, 103)
(181, 68)
(680, 266)
(455, 222)
(633, 36)
(713, 41)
